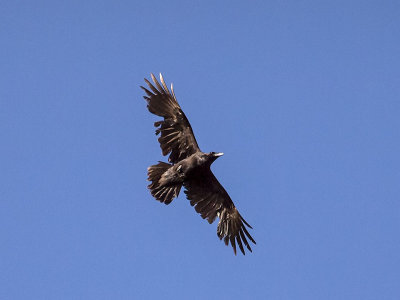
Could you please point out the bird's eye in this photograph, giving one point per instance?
(179, 169)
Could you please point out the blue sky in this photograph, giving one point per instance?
(303, 97)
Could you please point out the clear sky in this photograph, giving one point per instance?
(303, 97)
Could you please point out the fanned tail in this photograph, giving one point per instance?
(162, 193)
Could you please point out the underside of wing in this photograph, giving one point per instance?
(210, 200)
(177, 138)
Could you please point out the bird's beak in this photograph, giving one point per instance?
(218, 154)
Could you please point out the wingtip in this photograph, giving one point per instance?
(164, 84)
(172, 91)
(147, 81)
(244, 221)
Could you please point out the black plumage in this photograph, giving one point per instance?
(190, 168)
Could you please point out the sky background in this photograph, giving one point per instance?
(303, 97)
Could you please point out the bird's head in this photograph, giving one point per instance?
(212, 156)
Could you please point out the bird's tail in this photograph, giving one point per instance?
(162, 193)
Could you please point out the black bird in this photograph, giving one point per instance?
(189, 167)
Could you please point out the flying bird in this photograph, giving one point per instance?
(190, 167)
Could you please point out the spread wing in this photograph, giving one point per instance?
(177, 137)
(210, 199)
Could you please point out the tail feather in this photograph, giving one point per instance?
(162, 193)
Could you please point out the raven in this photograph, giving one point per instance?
(190, 168)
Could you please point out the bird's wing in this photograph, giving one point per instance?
(177, 136)
(210, 200)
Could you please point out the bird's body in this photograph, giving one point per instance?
(190, 167)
